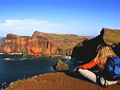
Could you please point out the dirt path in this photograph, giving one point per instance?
(57, 81)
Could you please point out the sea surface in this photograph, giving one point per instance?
(13, 66)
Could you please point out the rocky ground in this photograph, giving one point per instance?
(57, 81)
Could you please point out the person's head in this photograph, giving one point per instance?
(105, 51)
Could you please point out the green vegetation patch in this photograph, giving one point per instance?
(59, 36)
(65, 36)
(113, 36)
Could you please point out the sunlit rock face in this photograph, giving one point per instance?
(41, 43)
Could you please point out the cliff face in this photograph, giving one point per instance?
(64, 43)
(15, 44)
(87, 50)
(41, 43)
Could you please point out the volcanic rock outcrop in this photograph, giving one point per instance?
(87, 50)
(60, 66)
(40, 43)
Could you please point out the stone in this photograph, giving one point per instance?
(60, 66)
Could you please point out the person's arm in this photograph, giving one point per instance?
(90, 64)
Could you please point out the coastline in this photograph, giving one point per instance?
(38, 61)
(51, 55)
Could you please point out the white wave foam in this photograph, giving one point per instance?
(14, 59)
(12, 53)
(67, 57)
(7, 59)
(22, 59)
(15, 53)
(51, 68)
(2, 53)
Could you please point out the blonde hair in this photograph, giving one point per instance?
(104, 51)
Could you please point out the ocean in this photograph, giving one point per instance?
(13, 66)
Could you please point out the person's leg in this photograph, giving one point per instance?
(88, 74)
(92, 76)
(107, 82)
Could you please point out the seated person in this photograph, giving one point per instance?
(103, 53)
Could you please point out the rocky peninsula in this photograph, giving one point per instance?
(41, 43)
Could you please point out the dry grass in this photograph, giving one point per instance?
(112, 35)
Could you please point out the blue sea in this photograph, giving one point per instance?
(13, 67)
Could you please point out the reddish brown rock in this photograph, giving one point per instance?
(41, 43)
(60, 44)
(60, 66)
(36, 54)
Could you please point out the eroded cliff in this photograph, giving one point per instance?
(41, 43)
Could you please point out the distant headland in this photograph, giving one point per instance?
(79, 47)
(41, 43)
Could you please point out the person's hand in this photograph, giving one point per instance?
(76, 69)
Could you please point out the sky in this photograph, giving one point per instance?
(81, 17)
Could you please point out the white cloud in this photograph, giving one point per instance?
(29, 22)
(26, 27)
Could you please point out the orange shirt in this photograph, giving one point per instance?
(90, 64)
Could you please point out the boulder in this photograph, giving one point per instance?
(60, 66)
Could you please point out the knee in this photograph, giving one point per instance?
(83, 70)
(80, 70)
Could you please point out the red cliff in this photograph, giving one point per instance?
(41, 43)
